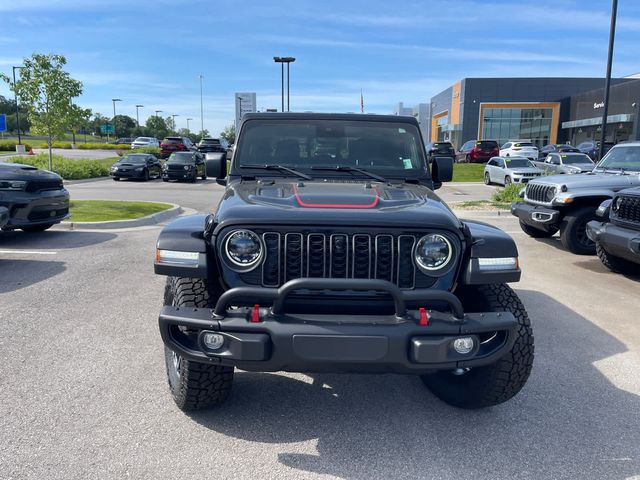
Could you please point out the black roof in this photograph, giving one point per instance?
(367, 117)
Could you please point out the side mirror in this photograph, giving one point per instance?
(216, 165)
(441, 170)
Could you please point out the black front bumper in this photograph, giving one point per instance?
(266, 338)
(31, 209)
(618, 241)
(542, 218)
(128, 174)
(179, 175)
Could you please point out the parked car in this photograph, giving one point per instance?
(440, 149)
(477, 151)
(140, 166)
(555, 148)
(207, 145)
(616, 232)
(566, 163)
(519, 148)
(346, 262)
(36, 199)
(123, 141)
(508, 170)
(4, 216)
(175, 144)
(142, 142)
(184, 166)
(592, 148)
(568, 202)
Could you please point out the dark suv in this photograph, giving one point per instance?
(478, 151)
(330, 252)
(175, 144)
(592, 148)
(35, 199)
(186, 166)
(440, 149)
(208, 145)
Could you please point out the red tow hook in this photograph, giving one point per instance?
(424, 317)
(255, 314)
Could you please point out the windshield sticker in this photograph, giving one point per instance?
(407, 163)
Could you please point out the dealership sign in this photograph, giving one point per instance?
(597, 105)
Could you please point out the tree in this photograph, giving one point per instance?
(46, 90)
(171, 125)
(229, 133)
(124, 125)
(155, 126)
(203, 134)
(79, 120)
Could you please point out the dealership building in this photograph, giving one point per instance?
(544, 110)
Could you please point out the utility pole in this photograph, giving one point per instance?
(114, 100)
(173, 117)
(157, 112)
(16, 97)
(188, 129)
(201, 108)
(137, 116)
(607, 81)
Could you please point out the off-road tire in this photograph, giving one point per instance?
(573, 231)
(194, 385)
(487, 179)
(490, 385)
(37, 228)
(616, 264)
(537, 233)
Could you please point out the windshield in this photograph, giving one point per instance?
(576, 158)
(523, 144)
(134, 159)
(181, 157)
(301, 144)
(627, 158)
(518, 163)
(486, 145)
(142, 139)
(209, 141)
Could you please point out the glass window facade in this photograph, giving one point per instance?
(441, 122)
(503, 124)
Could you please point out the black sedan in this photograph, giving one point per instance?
(186, 166)
(34, 199)
(140, 166)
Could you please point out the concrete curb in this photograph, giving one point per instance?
(153, 219)
(85, 180)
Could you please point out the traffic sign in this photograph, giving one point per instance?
(3, 122)
(106, 129)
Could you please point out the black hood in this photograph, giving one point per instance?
(361, 203)
(18, 171)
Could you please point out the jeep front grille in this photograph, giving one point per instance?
(627, 208)
(540, 193)
(339, 255)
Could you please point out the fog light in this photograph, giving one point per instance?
(463, 345)
(212, 341)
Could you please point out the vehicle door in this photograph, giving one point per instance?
(552, 163)
(153, 167)
(499, 170)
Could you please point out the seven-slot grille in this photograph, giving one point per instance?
(628, 208)
(540, 193)
(338, 255)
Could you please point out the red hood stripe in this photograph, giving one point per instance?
(302, 203)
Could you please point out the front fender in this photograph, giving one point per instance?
(489, 242)
(184, 235)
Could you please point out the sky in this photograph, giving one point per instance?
(151, 52)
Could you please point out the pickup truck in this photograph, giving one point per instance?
(565, 163)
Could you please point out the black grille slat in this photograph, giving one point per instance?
(339, 256)
(361, 256)
(406, 270)
(384, 257)
(627, 208)
(316, 255)
(293, 256)
(271, 264)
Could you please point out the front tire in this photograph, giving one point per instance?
(616, 264)
(490, 385)
(487, 179)
(194, 385)
(573, 231)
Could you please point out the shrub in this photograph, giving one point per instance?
(508, 194)
(67, 168)
(66, 145)
(10, 145)
(102, 146)
(152, 150)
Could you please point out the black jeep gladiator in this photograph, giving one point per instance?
(330, 252)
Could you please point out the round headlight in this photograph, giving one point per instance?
(243, 249)
(433, 252)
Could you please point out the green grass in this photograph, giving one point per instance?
(107, 210)
(468, 172)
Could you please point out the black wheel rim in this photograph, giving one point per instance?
(581, 235)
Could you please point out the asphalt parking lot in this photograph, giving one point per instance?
(85, 395)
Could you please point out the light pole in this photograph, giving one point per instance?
(201, 107)
(607, 80)
(137, 116)
(157, 112)
(173, 117)
(16, 96)
(188, 129)
(282, 61)
(114, 100)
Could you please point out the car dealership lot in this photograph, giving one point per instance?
(84, 389)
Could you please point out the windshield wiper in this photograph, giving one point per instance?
(347, 168)
(281, 168)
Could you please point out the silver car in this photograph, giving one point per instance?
(508, 170)
(569, 163)
(142, 142)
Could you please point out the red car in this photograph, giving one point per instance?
(478, 151)
(175, 144)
